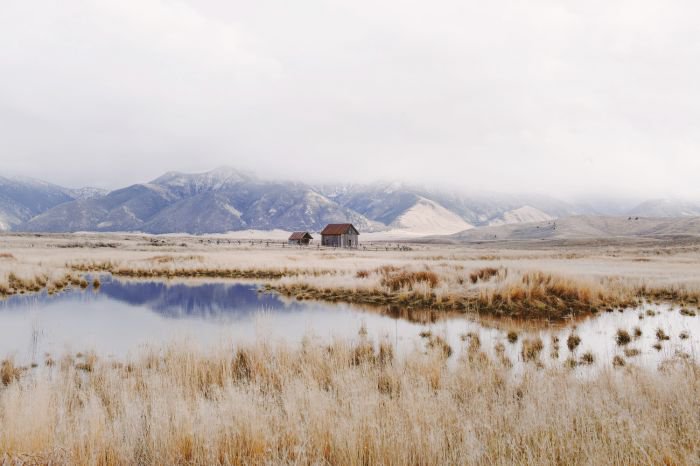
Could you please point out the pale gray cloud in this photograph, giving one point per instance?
(549, 96)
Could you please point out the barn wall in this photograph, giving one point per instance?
(332, 241)
(350, 240)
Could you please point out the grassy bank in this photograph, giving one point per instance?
(347, 403)
(516, 293)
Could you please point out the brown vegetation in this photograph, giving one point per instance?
(344, 404)
(484, 274)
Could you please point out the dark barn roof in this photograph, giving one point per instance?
(338, 229)
(299, 235)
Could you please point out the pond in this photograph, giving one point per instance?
(121, 317)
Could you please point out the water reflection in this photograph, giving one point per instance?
(123, 316)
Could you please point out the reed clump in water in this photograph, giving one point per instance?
(9, 372)
(319, 404)
(622, 337)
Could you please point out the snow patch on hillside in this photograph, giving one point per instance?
(427, 217)
(524, 214)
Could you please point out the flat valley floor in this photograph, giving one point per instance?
(358, 400)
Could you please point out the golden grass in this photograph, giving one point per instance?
(483, 274)
(345, 403)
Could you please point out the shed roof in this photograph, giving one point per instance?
(299, 235)
(339, 229)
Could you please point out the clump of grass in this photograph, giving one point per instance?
(622, 337)
(362, 274)
(637, 332)
(554, 352)
(96, 283)
(650, 313)
(474, 341)
(404, 279)
(389, 384)
(439, 343)
(88, 363)
(531, 349)
(9, 372)
(570, 363)
(573, 341)
(483, 274)
(684, 335)
(386, 353)
(425, 334)
(500, 350)
(632, 352)
(657, 346)
(512, 336)
(587, 358)
(618, 361)
(362, 331)
(661, 335)
(687, 312)
(363, 353)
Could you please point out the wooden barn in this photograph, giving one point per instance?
(340, 235)
(302, 238)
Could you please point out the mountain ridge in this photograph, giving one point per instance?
(226, 199)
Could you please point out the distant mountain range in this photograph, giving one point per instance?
(226, 199)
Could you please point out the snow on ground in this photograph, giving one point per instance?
(524, 214)
(428, 218)
(275, 235)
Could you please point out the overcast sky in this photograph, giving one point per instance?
(555, 96)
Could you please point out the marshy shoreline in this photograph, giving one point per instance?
(548, 284)
(355, 401)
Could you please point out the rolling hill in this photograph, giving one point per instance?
(581, 227)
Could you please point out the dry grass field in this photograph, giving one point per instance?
(343, 404)
(354, 402)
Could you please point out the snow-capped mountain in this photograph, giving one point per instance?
(226, 199)
(213, 202)
(427, 217)
(23, 198)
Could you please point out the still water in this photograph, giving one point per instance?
(121, 317)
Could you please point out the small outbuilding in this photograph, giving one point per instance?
(340, 235)
(302, 238)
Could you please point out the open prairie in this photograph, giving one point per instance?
(541, 326)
